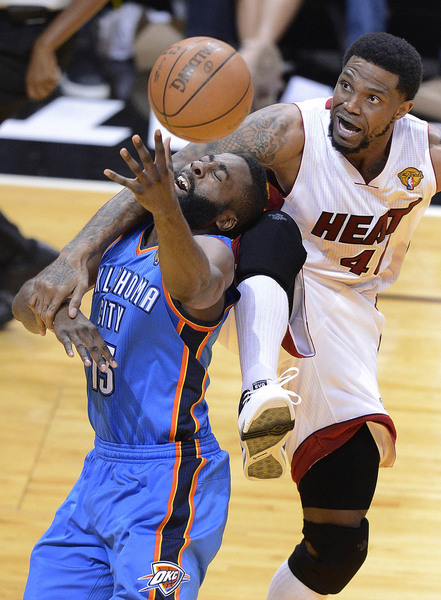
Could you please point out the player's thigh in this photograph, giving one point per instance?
(173, 552)
(339, 488)
(69, 561)
(71, 573)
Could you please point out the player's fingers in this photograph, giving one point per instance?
(75, 302)
(160, 156)
(49, 310)
(168, 154)
(143, 153)
(125, 181)
(100, 352)
(82, 352)
(64, 338)
(133, 165)
(41, 325)
(36, 305)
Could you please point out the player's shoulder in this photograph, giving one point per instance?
(317, 105)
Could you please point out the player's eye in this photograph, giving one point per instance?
(374, 99)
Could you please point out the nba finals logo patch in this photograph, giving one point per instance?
(166, 576)
(410, 177)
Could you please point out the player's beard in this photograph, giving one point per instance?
(198, 210)
(365, 142)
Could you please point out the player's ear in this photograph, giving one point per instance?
(403, 109)
(227, 220)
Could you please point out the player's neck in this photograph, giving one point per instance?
(371, 161)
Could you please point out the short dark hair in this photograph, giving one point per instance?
(254, 199)
(393, 54)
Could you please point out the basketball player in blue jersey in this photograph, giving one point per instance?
(357, 172)
(148, 512)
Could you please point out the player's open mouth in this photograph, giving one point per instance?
(182, 183)
(347, 129)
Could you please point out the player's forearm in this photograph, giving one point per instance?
(68, 22)
(272, 20)
(118, 215)
(185, 268)
(269, 134)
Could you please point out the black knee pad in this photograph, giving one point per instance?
(273, 247)
(342, 551)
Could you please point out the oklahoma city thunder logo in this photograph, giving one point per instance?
(166, 576)
(410, 177)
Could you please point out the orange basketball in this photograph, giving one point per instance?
(200, 89)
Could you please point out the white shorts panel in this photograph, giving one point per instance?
(339, 383)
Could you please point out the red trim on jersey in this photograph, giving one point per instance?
(275, 200)
(289, 345)
(328, 104)
(323, 442)
(377, 269)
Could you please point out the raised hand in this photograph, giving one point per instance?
(153, 185)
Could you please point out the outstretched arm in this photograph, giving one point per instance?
(273, 135)
(196, 274)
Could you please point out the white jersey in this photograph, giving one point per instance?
(354, 232)
(356, 236)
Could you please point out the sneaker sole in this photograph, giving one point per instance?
(264, 456)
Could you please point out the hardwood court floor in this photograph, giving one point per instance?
(45, 434)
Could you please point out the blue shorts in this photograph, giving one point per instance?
(141, 522)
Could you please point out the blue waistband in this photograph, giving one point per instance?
(137, 453)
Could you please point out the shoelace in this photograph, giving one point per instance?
(283, 378)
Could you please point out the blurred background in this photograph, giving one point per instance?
(294, 51)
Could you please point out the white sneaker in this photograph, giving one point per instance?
(266, 418)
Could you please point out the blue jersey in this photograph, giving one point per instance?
(156, 394)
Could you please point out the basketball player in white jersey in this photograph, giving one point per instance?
(356, 173)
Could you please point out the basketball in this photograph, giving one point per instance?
(200, 89)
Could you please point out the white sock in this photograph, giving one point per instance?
(285, 586)
(261, 321)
